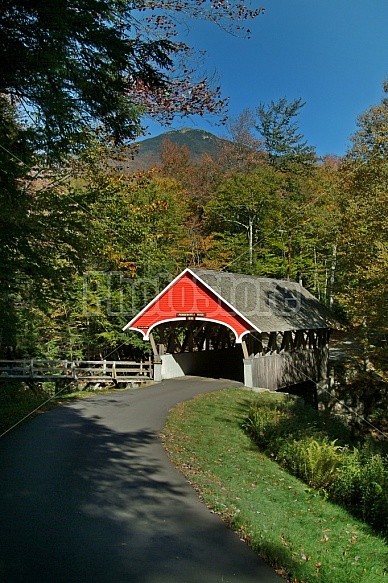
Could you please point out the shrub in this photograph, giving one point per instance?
(347, 485)
(269, 424)
(319, 452)
(362, 486)
(313, 461)
(374, 499)
(263, 424)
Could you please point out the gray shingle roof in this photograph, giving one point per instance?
(269, 304)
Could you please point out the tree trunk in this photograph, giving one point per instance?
(289, 257)
(365, 344)
(332, 274)
(250, 239)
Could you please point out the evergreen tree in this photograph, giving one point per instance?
(74, 65)
(279, 131)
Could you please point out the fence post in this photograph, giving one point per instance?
(114, 376)
(150, 370)
(73, 370)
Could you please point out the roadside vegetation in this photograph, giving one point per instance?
(239, 450)
(318, 450)
(19, 402)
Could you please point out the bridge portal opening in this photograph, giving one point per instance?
(197, 348)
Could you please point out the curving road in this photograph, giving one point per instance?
(88, 495)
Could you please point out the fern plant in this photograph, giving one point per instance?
(312, 460)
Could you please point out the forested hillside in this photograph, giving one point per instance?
(149, 152)
(89, 244)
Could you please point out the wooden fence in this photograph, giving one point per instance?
(117, 371)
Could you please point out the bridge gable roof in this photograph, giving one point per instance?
(187, 298)
(270, 304)
(241, 302)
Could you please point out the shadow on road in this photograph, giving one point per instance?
(81, 502)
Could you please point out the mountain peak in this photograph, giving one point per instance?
(198, 142)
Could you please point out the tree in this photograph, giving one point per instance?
(370, 141)
(43, 234)
(279, 131)
(363, 249)
(72, 73)
(242, 152)
(245, 206)
(133, 235)
(78, 64)
(140, 244)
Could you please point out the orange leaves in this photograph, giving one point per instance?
(282, 538)
(325, 537)
(158, 205)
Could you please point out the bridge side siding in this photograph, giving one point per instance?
(277, 371)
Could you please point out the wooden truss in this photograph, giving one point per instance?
(287, 341)
(195, 336)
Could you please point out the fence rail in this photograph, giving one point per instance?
(89, 370)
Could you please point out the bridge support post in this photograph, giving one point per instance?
(157, 370)
(248, 378)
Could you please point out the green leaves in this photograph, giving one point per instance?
(247, 204)
(363, 230)
(70, 66)
(87, 64)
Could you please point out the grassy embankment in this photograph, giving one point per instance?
(303, 535)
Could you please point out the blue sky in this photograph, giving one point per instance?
(331, 53)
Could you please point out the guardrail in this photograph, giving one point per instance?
(91, 370)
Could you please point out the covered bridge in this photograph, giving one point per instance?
(267, 333)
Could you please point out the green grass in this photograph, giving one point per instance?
(305, 537)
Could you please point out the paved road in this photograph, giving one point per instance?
(88, 495)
